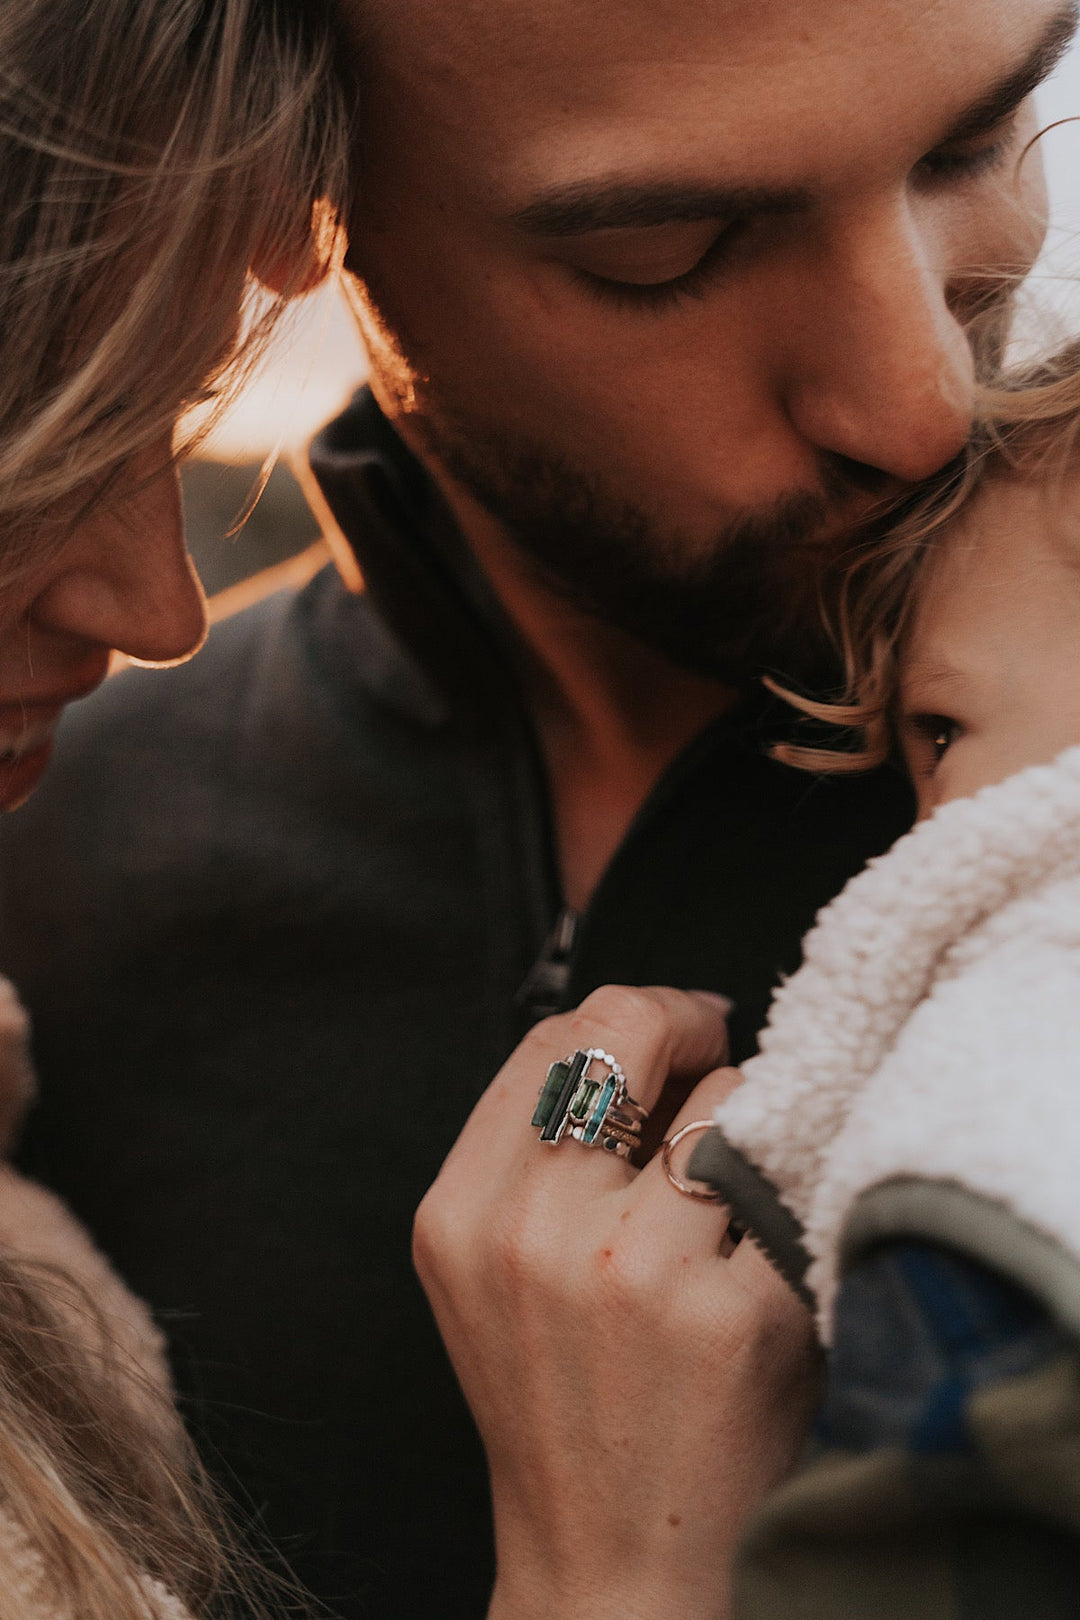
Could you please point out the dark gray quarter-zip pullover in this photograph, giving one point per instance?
(272, 914)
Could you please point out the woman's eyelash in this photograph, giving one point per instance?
(658, 295)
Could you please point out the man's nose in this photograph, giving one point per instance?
(882, 372)
(124, 579)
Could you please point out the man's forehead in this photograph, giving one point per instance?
(511, 29)
(520, 88)
(586, 36)
(575, 36)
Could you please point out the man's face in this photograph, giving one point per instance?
(676, 287)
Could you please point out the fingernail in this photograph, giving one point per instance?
(725, 1003)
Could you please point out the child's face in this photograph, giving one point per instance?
(990, 669)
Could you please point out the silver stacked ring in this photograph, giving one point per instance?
(594, 1109)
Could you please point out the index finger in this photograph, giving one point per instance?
(654, 1033)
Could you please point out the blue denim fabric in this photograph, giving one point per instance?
(918, 1329)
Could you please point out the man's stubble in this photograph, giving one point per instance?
(746, 601)
(753, 598)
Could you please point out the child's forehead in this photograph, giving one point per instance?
(1015, 515)
(1009, 562)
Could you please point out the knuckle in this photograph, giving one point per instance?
(466, 1252)
(634, 1288)
(513, 1261)
(767, 1325)
(536, 1040)
(624, 1011)
(715, 1088)
(690, 1327)
(522, 1259)
(430, 1235)
(549, 1036)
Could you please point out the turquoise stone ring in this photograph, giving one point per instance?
(592, 1108)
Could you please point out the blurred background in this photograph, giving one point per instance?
(317, 362)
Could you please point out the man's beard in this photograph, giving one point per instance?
(746, 602)
(753, 600)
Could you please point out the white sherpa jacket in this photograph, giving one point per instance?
(920, 1073)
(36, 1226)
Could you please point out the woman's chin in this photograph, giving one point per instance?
(21, 773)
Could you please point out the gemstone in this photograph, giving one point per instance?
(607, 1091)
(584, 1098)
(556, 1120)
(549, 1092)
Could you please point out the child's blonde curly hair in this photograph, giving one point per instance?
(1027, 426)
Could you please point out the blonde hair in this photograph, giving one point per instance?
(153, 153)
(97, 1474)
(1028, 426)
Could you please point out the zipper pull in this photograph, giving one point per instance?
(543, 991)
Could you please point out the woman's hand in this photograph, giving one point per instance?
(637, 1393)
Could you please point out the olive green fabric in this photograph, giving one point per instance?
(988, 1535)
(844, 1539)
(947, 1213)
(1028, 1433)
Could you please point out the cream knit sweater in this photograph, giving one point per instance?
(933, 1031)
(36, 1226)
(26, 1595)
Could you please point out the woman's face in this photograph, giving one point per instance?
(121, 581)
(990, 670)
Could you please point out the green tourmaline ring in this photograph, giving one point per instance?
(594, 1109)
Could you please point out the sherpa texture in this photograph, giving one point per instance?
(934, 1027)
(35, 1226)
(26, 1593)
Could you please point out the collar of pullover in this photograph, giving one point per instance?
(418, 572)
(450, 651)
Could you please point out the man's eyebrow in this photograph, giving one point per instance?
(611, 205)
(1005, 96)
(607, 205)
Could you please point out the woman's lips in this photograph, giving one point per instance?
(23, 763)
(27, 729)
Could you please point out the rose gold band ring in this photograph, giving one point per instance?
(700, 1193)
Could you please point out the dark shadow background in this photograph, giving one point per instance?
(216, 493)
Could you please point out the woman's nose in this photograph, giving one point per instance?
(124, 579)
(883, 372)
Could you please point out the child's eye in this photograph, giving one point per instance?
(936, 732)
